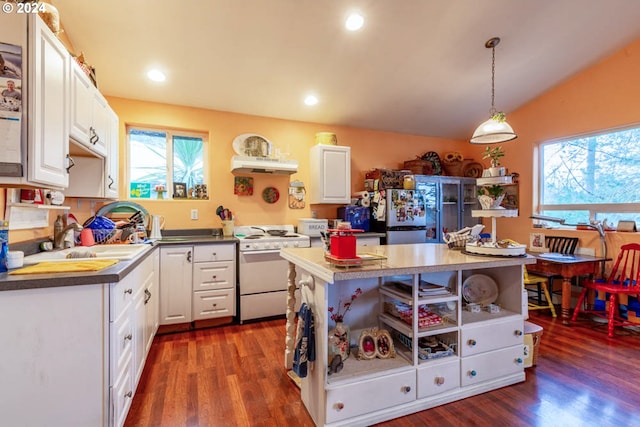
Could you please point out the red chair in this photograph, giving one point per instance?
(623, 280)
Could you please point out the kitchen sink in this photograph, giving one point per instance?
(121, 252)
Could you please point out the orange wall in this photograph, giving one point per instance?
(606, 95)
(369, 149)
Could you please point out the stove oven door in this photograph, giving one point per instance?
(262, 277)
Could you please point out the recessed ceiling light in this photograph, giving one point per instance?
(311, 100)
(156, 75)
(354, 22)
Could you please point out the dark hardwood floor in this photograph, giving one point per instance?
(234, 376)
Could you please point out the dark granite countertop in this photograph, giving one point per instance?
(116, 272)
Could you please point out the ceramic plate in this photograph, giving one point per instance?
(480, 289)
(270, 195)
(250, 144)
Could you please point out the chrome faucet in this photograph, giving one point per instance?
(58, 239)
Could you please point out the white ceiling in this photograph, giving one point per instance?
(417, 66)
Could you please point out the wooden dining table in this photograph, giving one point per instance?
(566, 266)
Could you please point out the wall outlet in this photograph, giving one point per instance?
(194, 213)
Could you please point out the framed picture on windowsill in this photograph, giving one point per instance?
(179, 190)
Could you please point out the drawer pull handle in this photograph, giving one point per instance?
(439, 380)
(128, 291)
(518, 332)
(128, 394)
(405, 389)
(128, 337)
(339, 406)
(189, 256)
(471, 343)
(519, 361)
(472, 373)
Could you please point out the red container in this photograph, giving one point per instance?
(343, 246)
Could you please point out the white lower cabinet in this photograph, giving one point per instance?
(356, 399)
(131, 319)
(197, 282)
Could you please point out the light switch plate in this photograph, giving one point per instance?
(194, 213)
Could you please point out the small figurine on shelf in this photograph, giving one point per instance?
(160, 190)
(339, 337)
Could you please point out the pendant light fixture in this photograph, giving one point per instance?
(496, 129)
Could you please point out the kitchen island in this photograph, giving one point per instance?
(484, 347)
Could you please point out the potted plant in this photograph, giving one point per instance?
(491, 196)
(495, 154)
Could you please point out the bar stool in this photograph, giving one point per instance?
(541, 284)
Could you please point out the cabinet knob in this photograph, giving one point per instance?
(338, 406)
(471, 343)
(128, 337)
(439, 380)
(215, 304)
(128, 291)
(472, 373)
(214, 276)
(128, 394)
(405, 389)
(518, 332)
(519, 361)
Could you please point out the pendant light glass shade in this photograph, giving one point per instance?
(493, 131)
(496, 129)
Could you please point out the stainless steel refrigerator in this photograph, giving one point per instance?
(400, 214)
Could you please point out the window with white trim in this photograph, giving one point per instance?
(591, 177)
(166, 164)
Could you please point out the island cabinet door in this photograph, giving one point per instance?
(366, 396)
(494, 364)
(487, 336)
(438, 378)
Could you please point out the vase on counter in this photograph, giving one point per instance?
(160, 195)
(339, 341)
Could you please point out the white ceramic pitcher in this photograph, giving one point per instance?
(157, 223)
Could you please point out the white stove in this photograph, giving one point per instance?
(262, 272)
(258, 238)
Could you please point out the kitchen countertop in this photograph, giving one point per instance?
(398, 259)
(112, 274)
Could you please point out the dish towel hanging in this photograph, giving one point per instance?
(305, 350)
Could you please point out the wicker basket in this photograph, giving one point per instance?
(419, 166)
(536, 333)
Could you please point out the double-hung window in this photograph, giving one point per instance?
(591, 177)
(166, 164)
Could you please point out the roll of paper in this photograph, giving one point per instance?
(365, 202)
(361, 195)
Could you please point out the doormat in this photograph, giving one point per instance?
(295, 378)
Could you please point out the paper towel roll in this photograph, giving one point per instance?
(365, 202)
(361, 195)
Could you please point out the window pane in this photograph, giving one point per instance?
(148, 158)
(592, 170)
(187, 160)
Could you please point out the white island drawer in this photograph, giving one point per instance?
(370, 395)
(476, 339)
(438, 377)
(495, 364)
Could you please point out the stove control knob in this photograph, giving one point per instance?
(267, 245)
(255, 246)
(276, 245)
(285, 244)
(296, 244)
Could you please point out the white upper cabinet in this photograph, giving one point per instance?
(48, 131)
(88, 113)
(330, 174)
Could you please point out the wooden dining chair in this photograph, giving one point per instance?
(624, 280)
(561, 245)
(541, 286)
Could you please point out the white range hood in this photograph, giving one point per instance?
(248, 164)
